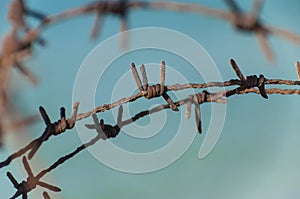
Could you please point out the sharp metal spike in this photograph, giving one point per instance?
(96, 122)
(27, 167)
(45, 116)
(298, 69)
(62, 113)
(197, 114)
(162, 76)
(237, 70)
(48, 186)
(136, 77)
(188, 107)
(75, 110)
(144, 77)
(120, 114)
(12, 179)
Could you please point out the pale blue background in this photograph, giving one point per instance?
(257, 155)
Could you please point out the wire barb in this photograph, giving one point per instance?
(250, 81)
(219, 98)
(298, 69)
(156, 90)
(30, 183)
(237, 70)
(55, 128)
(136, 77)
(197, 114)
(162, 76)
(144, 77)
(243, 86)
(197, 100)
(188, 107)
(107, 131)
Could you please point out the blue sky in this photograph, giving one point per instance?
(256, 155)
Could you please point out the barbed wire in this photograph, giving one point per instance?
(30, 183)
(242, 21)
(245, 84)
(17, 44)
(16, 49)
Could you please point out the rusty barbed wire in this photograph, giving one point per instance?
(245, 85)
(20, 48)
(153, 90)
(52, 129)
(102, 135)
(30, 183)
(105, 131)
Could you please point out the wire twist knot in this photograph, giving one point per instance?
(254, 81)
(200, 98)
(250, 81)
(55, 128)
(107, 131)
(156, 90)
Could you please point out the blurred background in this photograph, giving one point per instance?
(256, 155)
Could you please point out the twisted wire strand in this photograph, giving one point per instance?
(197, 99)
(250, 84)
(18, 11)
(244, 87)
(55, 128)
(30, 183)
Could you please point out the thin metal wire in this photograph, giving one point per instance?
(18, 11)
(30, 183)
(199, 98)
(243, 87)
(51, 129)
